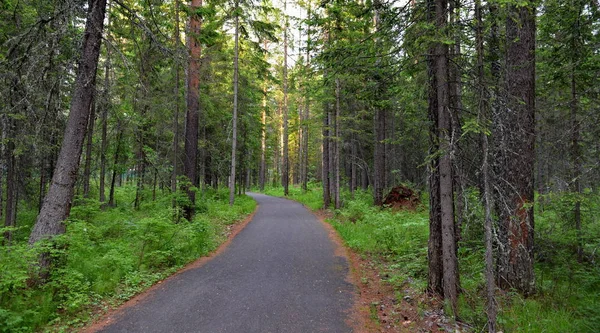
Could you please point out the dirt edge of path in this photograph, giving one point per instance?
(377, 307)
(109, 316)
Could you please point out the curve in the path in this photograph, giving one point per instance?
(279, 274)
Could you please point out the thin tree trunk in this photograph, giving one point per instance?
(483, 112)
(235, 109)
(455, 84)
(379, 158)
(285, 177)
(337, 143)
(115, 173)
(325, 170)
(434, 247)
(175, 158)
(57, 204)
(304, 157)
(450, 263)
(193, 107)
(11, 183)
(88, 150)
(263, 136)
(105, 103)
(576, 157)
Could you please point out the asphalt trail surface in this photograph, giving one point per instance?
(279, 274)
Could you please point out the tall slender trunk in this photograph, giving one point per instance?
(11, 183)
(455, 85)
(379, 127)
(483, 114)
(576, 154)
(235, 109)
(325, 168)
(115, 171)
(175, 157)
(141, 129)
(57, 204)
(434, 245)
(450, 263)
(104, 130)
(337, 144)
(304, 157)
(285, 177)
(263, 135)
(3, 136)
(105, 104)
(88, 150)
(193, 107)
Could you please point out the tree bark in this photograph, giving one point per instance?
(57, 204)
(516, 133)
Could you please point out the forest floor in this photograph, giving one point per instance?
(379, 307)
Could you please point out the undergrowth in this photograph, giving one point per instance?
(568, 289)
(107, 256)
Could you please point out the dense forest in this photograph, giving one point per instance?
(145, 119)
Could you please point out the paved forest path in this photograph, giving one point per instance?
(279, 274)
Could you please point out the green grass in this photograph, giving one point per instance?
(107, 256)
(568, 291)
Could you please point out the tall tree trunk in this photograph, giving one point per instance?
(263, 136)
(193, 107)
(516, 132)
(140, 134)
(57, 204)
(304, 157)
(379, 158)
(483, 114)
(434, 248)
(175, 157)
(11, 182)
(285, 177)
(450, 263)
(105, 105)
(87, 170)
(115, 171)
(575, 124)
(325, 168)
(455, 84)
(235, 109)
(337, 144)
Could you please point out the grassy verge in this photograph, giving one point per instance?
(568, 290)
(107, 256)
